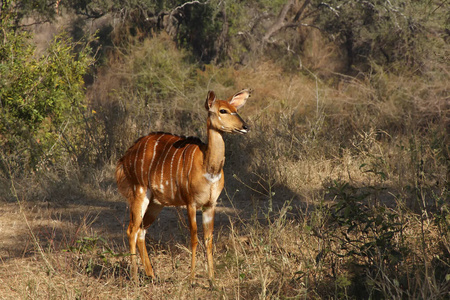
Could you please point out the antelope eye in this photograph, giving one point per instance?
(223, 111)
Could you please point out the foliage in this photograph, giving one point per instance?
(41, 97)
(199, 31)
(38, 10)
(388, 32)
(370, 237)
(376, 247)
(395, 33)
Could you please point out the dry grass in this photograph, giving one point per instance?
(258, 255)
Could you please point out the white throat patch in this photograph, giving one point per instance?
(212, 178)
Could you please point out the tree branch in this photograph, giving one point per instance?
(334, 10)
(189, 3)
(279, 23)
(301, 10)
(168, 23)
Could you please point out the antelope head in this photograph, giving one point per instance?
(222, 114)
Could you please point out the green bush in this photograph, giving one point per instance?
(41, 97)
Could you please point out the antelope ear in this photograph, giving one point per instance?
(239, 99)
(210, 98)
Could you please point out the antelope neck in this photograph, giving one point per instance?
(215, 152)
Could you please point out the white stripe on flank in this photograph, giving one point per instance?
(180, 174)
(153, 157)
(164, 161)
(135, 161)
(171, 168)
(143, 160)
(185, 161)
(190, 168)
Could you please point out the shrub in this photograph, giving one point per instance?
(42, 98)
(394, 33)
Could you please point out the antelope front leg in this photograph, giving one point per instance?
(191, 209)
(208, 227)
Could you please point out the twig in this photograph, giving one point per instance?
(334, 10)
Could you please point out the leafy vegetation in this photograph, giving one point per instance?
(41, 98)
(340, 190)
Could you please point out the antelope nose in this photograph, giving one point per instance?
(246, 127)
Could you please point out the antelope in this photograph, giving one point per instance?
(163, 169)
